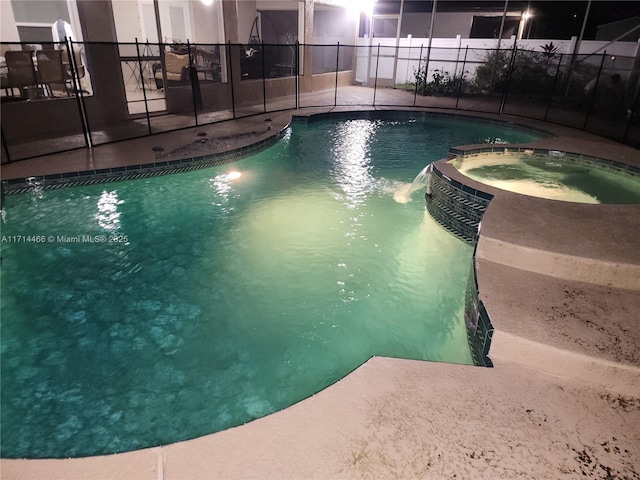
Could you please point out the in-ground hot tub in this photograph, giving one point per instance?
(553, 175)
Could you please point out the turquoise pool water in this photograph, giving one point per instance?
(151, 311)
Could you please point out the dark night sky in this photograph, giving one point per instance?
(552, 19)
(567, 17)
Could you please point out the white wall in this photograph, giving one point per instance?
(276, 5)
(246, 15)
(182, 30)
(8, 29)
(331, 26)
(207, 24)
(126, 16)
(416, 24)
(204, 23)
(448, 24)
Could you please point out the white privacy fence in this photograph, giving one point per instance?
(381, 58)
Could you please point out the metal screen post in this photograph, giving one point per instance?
(4, 144)
(415, 90)
(553, 89)
(464, 64)
(264, 82)
(509, 75)
(230, 79)
(86, 130)
(631, 112)
(495, 67)
(593, 94)
(432, 23)
(335, 94)
(195, 84)
(455, 70)
(375, 82)
(576, 49)
(144, 91)
(426, 65)
(297, 74)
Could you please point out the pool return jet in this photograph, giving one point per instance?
(421, 179)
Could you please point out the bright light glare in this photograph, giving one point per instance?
(223, 187)
(354, 7)
(108, 216)
(207, 2)
(353, 161)
(527, 15)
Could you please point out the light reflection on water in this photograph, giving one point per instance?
(351, 154)
(222, 185)
(108, 216)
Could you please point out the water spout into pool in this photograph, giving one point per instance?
(403, 195)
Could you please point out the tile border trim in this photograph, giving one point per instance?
(133, 172)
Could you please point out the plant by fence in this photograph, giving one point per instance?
(525, 73)
(442, 82)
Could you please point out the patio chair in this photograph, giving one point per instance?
(51, 70)
(177, 70)
(207, 63)
(21, 72)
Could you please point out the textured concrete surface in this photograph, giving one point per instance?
(590, 319)
(401, 419)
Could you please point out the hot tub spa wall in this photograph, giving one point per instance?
(477, 322)
(456, 207)
(459, 209)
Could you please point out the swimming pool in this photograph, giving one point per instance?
(554, 176)
(146, 312)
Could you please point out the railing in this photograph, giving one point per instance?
(119, 91)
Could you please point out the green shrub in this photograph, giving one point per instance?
(529, 74)
(493, 74)
(442, 83)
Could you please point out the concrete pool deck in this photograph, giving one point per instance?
(563, 400)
